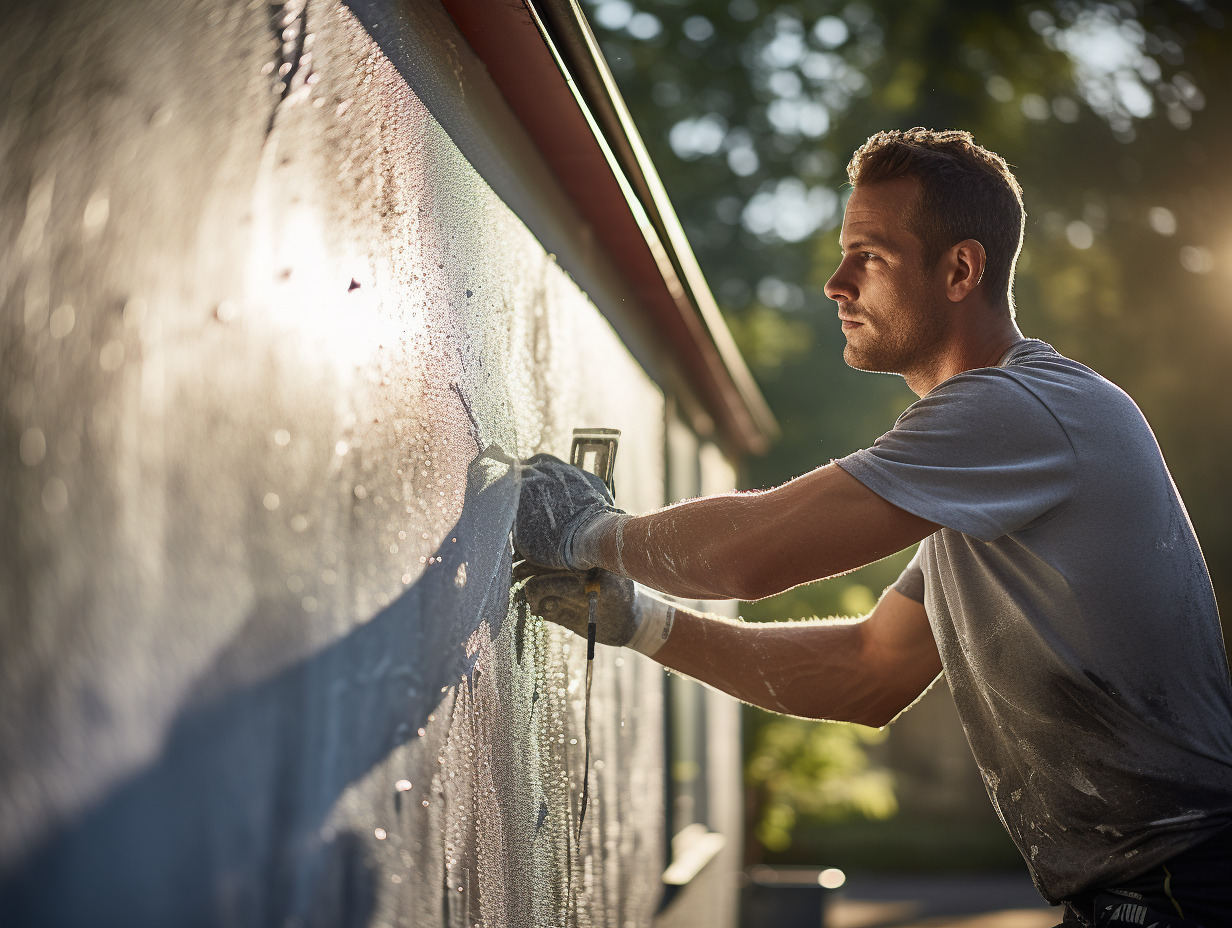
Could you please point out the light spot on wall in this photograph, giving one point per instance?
(62, 320)
(111, 356)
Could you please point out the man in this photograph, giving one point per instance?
(1059, 583)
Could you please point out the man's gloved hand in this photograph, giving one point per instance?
(625, 615)
(559, 510)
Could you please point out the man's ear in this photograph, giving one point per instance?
(964, 269)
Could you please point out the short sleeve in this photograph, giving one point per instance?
(911, 581)
(981, 454)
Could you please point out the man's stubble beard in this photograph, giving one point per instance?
(900, 349)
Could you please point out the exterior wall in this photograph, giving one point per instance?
(271, 343)
(704, 750)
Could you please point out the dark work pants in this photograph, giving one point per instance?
(1192, 890)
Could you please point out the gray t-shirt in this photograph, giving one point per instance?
(1073, 612)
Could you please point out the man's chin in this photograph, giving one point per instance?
(854, 358)
(862, 361)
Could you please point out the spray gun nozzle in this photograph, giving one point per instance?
(593, 450)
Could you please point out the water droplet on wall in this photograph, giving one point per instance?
(134, 313)
(62, 321)
(97, 210)
(111, 357)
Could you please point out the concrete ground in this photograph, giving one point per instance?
(940, 901)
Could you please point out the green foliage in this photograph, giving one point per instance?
(816, 771)
(769, 339)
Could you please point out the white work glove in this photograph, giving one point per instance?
(562, 513)
(626, 615)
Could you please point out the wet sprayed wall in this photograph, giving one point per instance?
(271, 343)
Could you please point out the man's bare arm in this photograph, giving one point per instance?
(866, 670)
(751, 545)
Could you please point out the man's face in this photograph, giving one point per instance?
(891, 306)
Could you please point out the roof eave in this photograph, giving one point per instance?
(547, 64)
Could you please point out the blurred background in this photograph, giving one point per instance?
(1115, 118)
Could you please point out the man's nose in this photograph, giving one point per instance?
(839, 287)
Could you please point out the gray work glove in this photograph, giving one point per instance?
(625, 614)
(559, 509)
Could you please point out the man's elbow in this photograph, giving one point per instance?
(878, 717)
(871, 715)
(754, 580)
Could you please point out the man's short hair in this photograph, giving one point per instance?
(967, 192)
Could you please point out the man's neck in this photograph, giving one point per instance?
(971, 348)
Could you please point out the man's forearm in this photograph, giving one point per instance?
(685, 550)
(750, 545)
(813, 669)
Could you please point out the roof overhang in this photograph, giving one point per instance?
(545, 61)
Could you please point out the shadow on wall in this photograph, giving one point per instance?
(230, 825)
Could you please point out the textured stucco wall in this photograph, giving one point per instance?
(270, 343)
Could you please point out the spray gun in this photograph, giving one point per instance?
(593, 450)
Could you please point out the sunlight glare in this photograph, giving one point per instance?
(326, 300)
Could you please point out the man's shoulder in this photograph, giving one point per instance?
(1031, 356)
(1033, 368)
(1016, 387)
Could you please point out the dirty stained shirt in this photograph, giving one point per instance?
(1073, 612)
